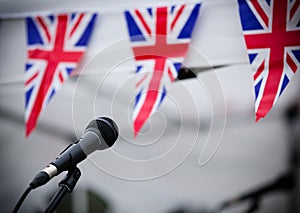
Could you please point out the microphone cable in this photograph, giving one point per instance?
(22, 198)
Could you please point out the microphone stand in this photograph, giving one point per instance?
(66, 185)
(284, 182)
(293, 123)
(288, 181)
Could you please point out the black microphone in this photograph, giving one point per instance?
(100, 134)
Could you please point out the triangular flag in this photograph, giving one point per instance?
(55, 44)
(272, 36)
(160, 37)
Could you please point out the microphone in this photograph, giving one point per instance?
(100, 134)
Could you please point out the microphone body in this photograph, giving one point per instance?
(100, 134)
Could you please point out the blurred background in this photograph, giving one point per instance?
(201, 149)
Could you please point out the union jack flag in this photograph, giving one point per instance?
(272, 36)
(160, 38)
(55, 44)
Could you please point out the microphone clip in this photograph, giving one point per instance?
(65, 185)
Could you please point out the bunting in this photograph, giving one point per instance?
(160, 37)
(55, 44)
(272, 36)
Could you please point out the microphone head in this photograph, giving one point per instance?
(107, 128)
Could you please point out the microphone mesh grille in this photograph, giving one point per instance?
(108, 129)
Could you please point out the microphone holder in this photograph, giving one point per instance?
(66, 185)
